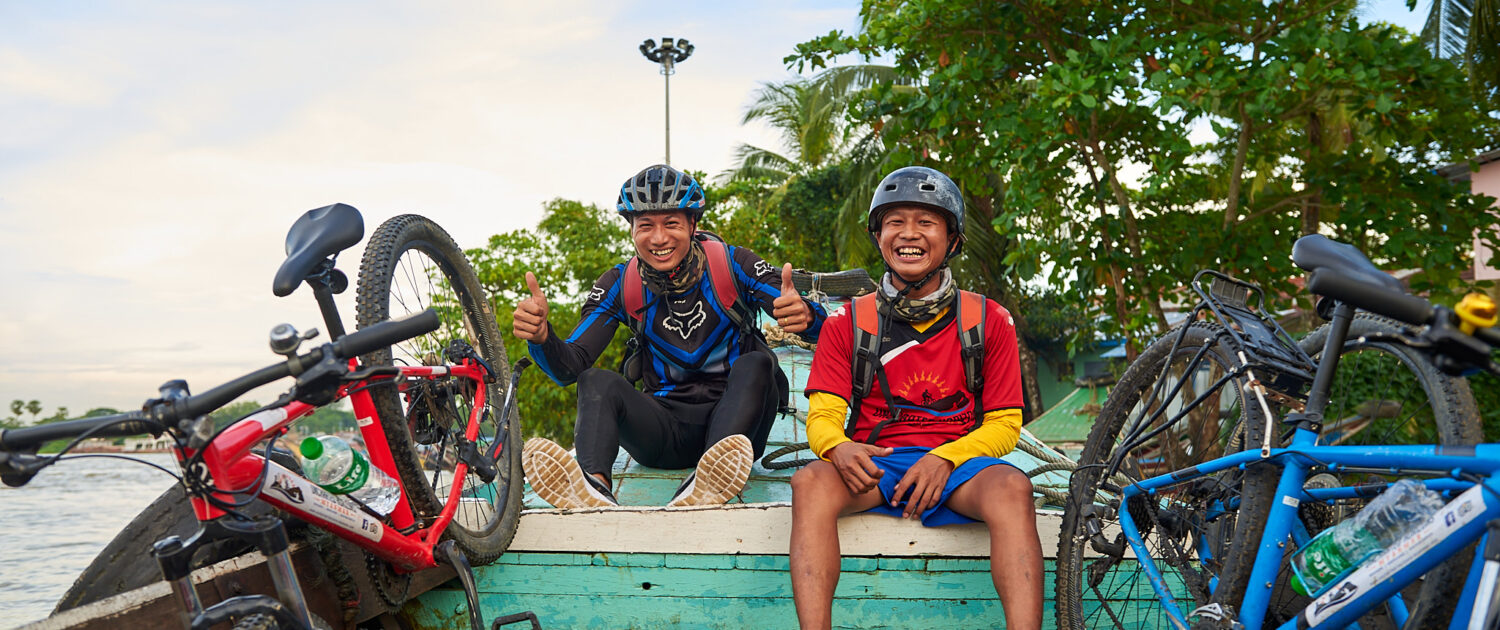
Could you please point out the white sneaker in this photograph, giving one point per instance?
(721, 474)
(558, 479)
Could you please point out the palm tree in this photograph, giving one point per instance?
(1468, 32)
(810, 115)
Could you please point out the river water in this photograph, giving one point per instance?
(51, 528)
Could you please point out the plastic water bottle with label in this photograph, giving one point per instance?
(1336, 551)
(330, 462)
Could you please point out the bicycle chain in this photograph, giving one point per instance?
(379, 572)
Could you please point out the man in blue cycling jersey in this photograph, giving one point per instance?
(711, 387)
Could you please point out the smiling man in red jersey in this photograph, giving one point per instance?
(934, 381)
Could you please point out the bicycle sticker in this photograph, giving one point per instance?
(1444, 522)
(296, 490)
(365, 421)
(269, 418)
(1290, 500)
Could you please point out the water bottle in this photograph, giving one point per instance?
(1334, 552)
(329, 462)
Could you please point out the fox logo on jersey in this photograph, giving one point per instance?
(685, 323)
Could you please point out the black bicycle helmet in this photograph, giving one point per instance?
(918, 186)
(660, 187)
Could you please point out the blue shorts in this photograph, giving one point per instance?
(897, 463)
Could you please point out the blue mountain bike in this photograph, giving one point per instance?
(1227, 445)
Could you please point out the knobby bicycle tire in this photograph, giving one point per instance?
(1413, 403)
(1097, 590)
(411, 264)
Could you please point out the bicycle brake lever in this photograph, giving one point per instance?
(17, 469)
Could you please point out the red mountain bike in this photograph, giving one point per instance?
(423, 372)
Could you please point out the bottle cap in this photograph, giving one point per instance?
(311, 448)
(1297, 585)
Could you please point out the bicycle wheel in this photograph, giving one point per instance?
(1185, 527)
(411, 264)
(1382, 393)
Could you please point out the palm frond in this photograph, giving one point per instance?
(756, 163)
(1446, 31)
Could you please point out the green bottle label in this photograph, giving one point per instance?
(354, 478)
(1323, 560)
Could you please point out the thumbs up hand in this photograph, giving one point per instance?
(530, 319)
(790, 310)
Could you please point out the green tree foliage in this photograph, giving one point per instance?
(1118, 148)
(796, 227)
(17, 407)
(34, 408)
(572, 246)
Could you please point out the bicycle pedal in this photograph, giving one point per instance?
(1217, 615)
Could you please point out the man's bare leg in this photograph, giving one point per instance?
(1001, 497)
(819, 497)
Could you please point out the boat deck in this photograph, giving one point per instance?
(643, 565)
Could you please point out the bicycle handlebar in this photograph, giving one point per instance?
(167, 412)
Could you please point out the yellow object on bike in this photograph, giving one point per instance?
(1476, 311)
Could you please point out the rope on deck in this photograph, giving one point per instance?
(776, 337)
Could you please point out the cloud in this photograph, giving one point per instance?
(156, 152)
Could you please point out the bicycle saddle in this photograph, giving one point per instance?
(318, 234)
(1319, 254)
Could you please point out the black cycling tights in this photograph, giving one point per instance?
(663, 433)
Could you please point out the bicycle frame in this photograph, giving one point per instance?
(232, 464)
(1459, 523)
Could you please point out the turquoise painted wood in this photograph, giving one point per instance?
(687, 591)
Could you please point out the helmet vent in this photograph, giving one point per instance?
(890, 187)
(927, 187)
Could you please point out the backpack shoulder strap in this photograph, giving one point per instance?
(719, 274)
(864, 318)
(971, 314)
(633, 289)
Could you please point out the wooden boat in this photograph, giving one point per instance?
(644, 566)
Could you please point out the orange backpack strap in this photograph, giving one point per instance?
(864, 316)
(971, 313)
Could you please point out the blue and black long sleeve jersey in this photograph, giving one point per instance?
(691, 342)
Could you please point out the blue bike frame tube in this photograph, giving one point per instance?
(1143, 555)
(1278, 530)
(1453, 527)
(1467, 599)
(1481, 459)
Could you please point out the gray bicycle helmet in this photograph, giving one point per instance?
(918, 186)
(660, 187)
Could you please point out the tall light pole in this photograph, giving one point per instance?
(668, 54)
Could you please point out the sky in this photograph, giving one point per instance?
(153, 153)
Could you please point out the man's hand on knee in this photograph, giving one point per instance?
(852, 459)
(925, 479)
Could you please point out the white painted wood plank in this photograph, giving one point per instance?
(754, 528)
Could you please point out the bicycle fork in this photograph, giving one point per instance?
(1486, 613)
(269, 536)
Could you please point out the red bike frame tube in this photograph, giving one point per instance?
(232, 465)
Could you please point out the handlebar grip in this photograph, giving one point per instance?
(118, 425)
(386, 333)
(1401, 306)
(1490, 336)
